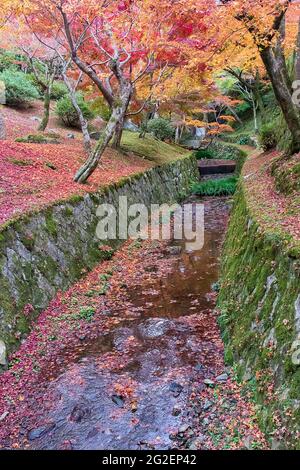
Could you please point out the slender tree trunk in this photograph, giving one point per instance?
(259, 103)
(118, 135)
(118, 115)
(177, 135)
(46, 115)
(236, 116)
(260, 106)
(120, 124)
(82, 120)
(277, 71)
(275, 64)
(254, 105)
(91, 164)
(2, 128)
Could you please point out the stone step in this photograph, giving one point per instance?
(209, 167)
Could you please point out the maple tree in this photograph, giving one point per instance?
(45, 66)
(265, 21)
(110, 44)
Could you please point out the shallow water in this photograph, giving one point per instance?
(158, 355)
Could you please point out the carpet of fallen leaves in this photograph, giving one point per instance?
(274, 210)
(35, 175)
(59, 336)
(95, 306)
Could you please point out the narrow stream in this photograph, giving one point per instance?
(139, 401)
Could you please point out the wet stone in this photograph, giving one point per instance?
(199, 368)
(118, 400)
(176, 411)
(40, 432)
(155, 327)
(176, 389)
(92, 433)
(222, 378)
(79, 412)
(207, 404)
(183, 428)
(209, 382)
(196, 443)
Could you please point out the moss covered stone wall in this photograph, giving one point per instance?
(46, 252)
(259, 306)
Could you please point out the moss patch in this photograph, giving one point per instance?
(259, 288)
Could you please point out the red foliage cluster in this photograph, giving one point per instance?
(35, 175)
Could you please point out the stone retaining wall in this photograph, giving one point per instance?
(45, 252)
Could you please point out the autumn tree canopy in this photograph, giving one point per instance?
(149, 55)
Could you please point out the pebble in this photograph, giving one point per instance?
(118, 400)
(174, 250)
(209, 382)
(207, 404)
(222, 378)
(79, 412)
(176, 389)
(4, 415)
(176, 411)
(196, 443)
(183, 428)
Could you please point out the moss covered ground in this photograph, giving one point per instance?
(258, 298)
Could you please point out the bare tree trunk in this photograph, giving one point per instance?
(117, 117)
(118, 135)
(46, 115)
(82, 120)
(120, 124)
(254, 105)
(235, 115)
(91, 164)
(275, 64)
(2, 128)
(177, 133)
(277, 71)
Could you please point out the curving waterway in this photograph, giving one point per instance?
(163, 351)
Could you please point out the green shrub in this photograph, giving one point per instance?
(68, 114)
(221, 187)
(245, 140)
(225, 151)
(207, 154)
(59, 90)
(267, 137)
(100, 108)
(19, 91)
(39, 139)
(161, 128)
(8, 61)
